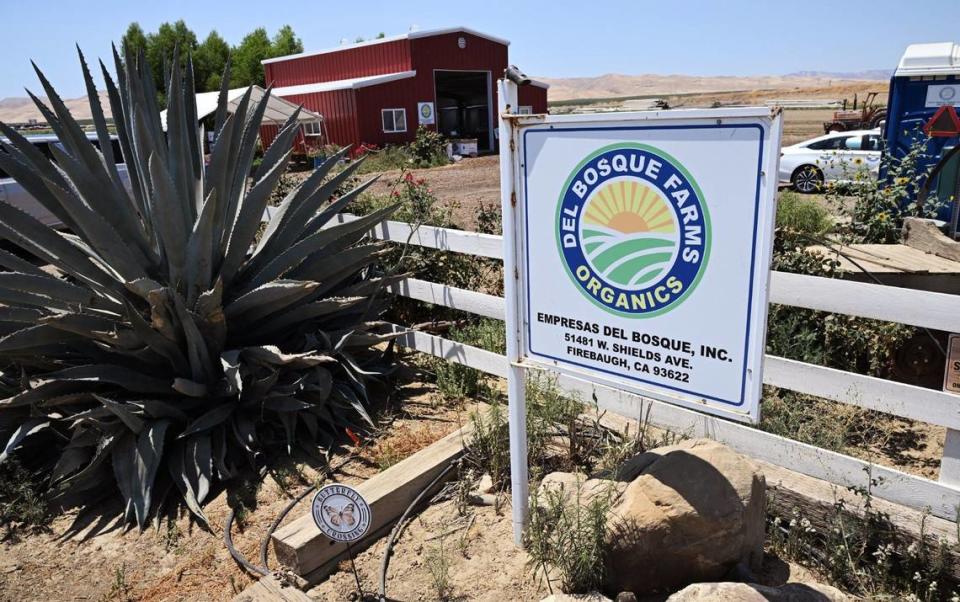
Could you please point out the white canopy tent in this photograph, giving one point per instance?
(277, 112)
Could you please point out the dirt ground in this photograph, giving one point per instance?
(181, 561)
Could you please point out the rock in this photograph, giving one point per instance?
(482, 499)
(752, 592)
(691, 513)
(591, 597)
(626, 597)
(567, 483)
(485, 484)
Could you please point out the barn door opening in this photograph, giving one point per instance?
(463, 106)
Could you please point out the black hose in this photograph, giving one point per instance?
(265, 543)
(256, 571)
(400, 526)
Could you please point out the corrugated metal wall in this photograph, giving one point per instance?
(339, 110)
(375, 59)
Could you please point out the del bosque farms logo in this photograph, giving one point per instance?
(633, 229)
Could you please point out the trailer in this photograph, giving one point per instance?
(924, 94)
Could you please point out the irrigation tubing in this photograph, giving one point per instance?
(401, 525)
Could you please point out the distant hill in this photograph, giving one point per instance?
(872, 74)
(615, 85)
(16, 109)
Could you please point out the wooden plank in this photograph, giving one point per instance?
(269, 589)
(893, 485)
(481, 359)
(898, 399)
(481, 304)
(816, 500)
(302, 547)
(890, 303)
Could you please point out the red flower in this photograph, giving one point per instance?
(353, 436)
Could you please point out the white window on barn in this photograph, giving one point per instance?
(394, 120)
(524, 110)
(311, 128)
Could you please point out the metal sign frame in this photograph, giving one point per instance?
(520, 353)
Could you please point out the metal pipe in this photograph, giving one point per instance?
(516, 392)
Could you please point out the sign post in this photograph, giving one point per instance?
(516, 392)
(637, 252)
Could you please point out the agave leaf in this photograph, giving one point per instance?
(33, 337)
(189, 387)
(46, 285)
(26, 232)
(285, 404)
(16, 264)
(167, 217)
(177, 466)
(124, 412)
(269, 354)
(247, 222)
(28, 427)
(198, 464)
(207, 421)
(272, 296)
(304, 313)
(121, 376)
(199, 269)
(100, 123)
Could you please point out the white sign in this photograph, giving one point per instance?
(943, 95)
(951, 379)
(645, 251)
(425, 113)
(341, 513)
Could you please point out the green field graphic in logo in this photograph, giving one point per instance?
(629, 233)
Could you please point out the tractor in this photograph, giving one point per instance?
(867, 117)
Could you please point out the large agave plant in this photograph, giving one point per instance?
(158, 344)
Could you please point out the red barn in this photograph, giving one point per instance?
(378, 92)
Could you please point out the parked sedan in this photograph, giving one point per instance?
(837, 157)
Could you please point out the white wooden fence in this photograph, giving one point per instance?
(916, 308)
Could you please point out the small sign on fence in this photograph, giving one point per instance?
(951, 380)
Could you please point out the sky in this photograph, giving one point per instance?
(559, 38)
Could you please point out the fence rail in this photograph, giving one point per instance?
(906, 306)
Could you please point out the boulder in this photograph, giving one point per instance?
(571, 485)
(691, 512)
(751, 592)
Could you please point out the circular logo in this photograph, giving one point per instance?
(426, 110)
(341, 513)
(633, 230)
(947, 93)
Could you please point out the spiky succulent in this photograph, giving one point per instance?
(158, 344)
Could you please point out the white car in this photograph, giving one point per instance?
(14, 194)
(840, 157)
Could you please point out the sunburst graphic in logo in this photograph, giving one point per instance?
(629, 233)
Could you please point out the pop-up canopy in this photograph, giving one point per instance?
(277, 112)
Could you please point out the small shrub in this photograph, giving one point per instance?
(428, 148)
(438, 563)
(22, 503)
(799, 214)
(568, 536)
(489, 219)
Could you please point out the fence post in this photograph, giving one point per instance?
(516, 393)
(950, 462)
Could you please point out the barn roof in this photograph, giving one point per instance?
(278, 110)
(426, 33)
(343, 84)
